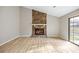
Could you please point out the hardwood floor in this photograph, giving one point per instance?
(39, 45)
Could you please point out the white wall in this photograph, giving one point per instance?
(52, 26)
(25, 22)
(9, 23)
(64, 24)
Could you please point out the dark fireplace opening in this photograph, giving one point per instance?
(39, 31)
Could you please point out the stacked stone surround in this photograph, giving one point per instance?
(38, 17)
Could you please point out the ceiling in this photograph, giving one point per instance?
(57, 11)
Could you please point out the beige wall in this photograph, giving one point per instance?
(52, 26)
(9, 23)
(25, 22)
(64, 24)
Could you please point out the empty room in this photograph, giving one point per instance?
(39, 29)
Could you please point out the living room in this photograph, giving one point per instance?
(38, 29)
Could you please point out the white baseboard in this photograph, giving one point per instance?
(9, 40)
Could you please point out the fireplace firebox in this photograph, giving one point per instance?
(39, 31)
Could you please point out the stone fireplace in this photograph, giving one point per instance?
(38, 23)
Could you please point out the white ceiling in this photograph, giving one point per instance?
(58, 11)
